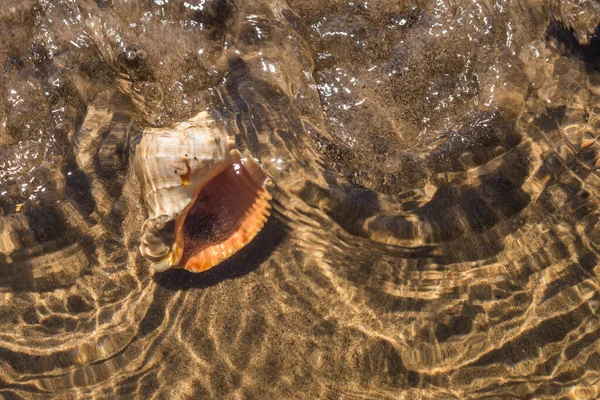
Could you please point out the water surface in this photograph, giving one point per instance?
(435, 215)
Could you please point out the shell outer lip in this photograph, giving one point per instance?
(254, 219)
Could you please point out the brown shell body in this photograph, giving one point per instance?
(191, 174)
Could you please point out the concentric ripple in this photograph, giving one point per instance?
(435, 170)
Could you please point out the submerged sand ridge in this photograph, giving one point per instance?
(433, 229)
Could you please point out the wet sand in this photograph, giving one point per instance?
(434, 232)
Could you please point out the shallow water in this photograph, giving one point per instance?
(435, 199)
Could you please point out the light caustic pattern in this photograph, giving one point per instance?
(434, 230)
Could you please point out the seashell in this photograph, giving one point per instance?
(205, 201)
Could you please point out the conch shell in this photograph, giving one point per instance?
(205, 201)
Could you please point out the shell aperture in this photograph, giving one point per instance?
(205, 202)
